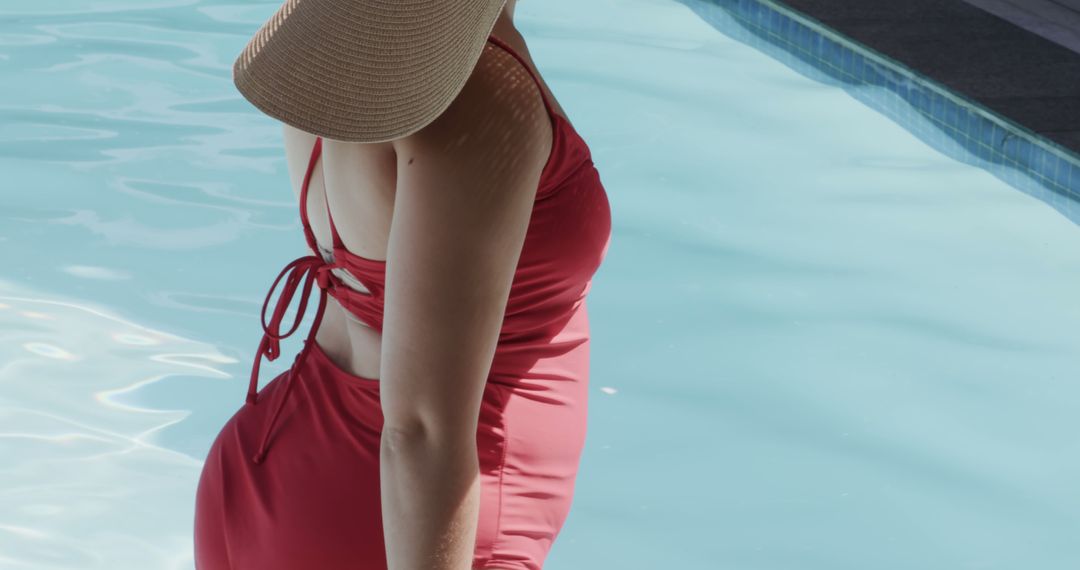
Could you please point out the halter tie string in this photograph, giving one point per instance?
(311, 269)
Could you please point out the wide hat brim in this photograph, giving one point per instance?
(363, 70)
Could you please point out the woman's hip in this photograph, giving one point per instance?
(314, 500)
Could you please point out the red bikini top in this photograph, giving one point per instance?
(569, 153)
(567, 238)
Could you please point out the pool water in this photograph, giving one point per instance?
(818, 343)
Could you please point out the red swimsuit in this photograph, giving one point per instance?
(292, 480)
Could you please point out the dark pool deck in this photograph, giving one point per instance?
(1018, 58)
(1056, 20)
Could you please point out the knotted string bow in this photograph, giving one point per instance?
(310, 269)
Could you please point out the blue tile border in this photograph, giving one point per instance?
(946, 120)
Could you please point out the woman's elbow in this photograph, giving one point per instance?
(418, 432)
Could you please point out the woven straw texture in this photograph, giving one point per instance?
(363, 70)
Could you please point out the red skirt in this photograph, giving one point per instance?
(314, 501)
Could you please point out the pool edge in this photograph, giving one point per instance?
(962, 128)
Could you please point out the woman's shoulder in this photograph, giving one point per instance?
(497, 109)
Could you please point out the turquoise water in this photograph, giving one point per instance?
(817, 342)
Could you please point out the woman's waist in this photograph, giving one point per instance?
(351, 345)
(519, 360)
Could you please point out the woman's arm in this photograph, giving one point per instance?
(465, 190)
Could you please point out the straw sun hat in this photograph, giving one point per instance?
(363, 70)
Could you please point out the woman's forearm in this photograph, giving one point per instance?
(430, 491)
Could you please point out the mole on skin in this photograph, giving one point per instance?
(410, 161)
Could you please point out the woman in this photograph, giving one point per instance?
(435, 416)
